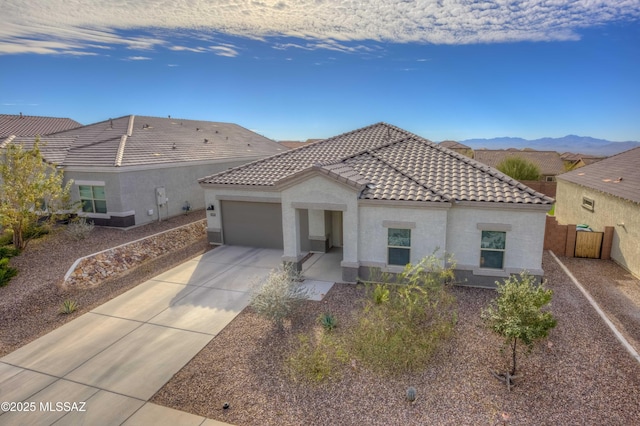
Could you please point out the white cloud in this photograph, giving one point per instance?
(138, 58)
(76, 26)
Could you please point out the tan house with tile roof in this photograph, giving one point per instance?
(606, 193)
(384, 197)
(134, 170)
(549, 162)
(458, 147)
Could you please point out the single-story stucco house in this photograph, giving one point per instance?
(385, 197)
(133, 170)
(606, 193)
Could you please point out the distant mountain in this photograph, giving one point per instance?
(569, 143)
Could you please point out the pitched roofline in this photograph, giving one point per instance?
(302, 148)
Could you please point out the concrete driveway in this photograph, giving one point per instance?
(116, 357)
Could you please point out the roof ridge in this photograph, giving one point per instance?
(297, 150)
(7, 141)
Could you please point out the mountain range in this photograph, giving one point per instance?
(569, 143)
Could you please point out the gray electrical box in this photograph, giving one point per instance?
(161, 196)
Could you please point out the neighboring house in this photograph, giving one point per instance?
(386, 197)
(134, 170)
(297, 144)
(28, 125)
(458, 147)
(606, 193)
(549, 162)
(575, 161)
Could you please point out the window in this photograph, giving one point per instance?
(399, 246)
(93, 199)
(550, 178)
(492, 249)
(588, 203)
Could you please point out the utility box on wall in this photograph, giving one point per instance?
(161, 196)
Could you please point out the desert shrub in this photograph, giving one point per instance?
(36, 230)
(6, 272)
(68, 307)
(328, 321)
(278, 296)
(8, 251)
(317, 361)
(400, 333)
(79, 228)
(6, 237)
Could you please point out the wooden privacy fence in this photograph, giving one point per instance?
(564, 240)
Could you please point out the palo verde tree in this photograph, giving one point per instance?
(31, 190)
(517, 315)
(519, 168)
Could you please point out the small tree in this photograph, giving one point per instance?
(519, 168)
(516, 314)
(31, 190)
(278, 296)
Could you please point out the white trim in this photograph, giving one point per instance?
(490, 205)
(405, 204)
(89, 182)
(500, 227)
(319, 206)
(398, 224)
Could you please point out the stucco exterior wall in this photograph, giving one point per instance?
(428, 232)
(524, 238)
(132, 192)
(608, 211)
(318, 192)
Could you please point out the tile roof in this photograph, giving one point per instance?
(618, 175)
(295, 144)
(29, 125)
(140, 140)
(389, 164)
(549, 162)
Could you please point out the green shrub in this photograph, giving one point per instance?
(8, 251)
(6, 272)
(36, 231)
(317, 362)
(68, 307)
(328, 321)
(6, 237)
(400, 334)
(278, 296)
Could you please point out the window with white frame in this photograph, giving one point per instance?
(398, 246)
(93, 198)
(492, 249)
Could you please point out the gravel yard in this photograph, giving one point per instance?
(579, 375)
(29, 305)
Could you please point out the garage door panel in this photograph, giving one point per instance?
(252, 224)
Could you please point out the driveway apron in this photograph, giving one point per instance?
(103, 367)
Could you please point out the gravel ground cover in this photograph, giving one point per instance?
(616, 291)
(579, 375)
(29, 305)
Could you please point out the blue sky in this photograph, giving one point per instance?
(448, 69)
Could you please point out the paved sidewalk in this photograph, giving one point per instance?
(119, 355)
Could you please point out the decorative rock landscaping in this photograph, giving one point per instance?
(92, 270)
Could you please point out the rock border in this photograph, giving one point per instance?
(92, 270)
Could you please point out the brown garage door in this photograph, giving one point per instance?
(252, 224)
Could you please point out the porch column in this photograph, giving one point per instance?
(317, 231)
(291, 237)
(350, 264)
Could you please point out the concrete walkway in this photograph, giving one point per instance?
(116, 357)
